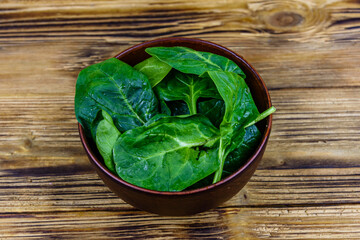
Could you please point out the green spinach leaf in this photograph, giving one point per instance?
(207, 181)
(187, 60)
(106, 136)
(154, 69)
(156, 118)
(240, 114)
(164, 109)
(214, 109)
(236, 158)
(186, 87)
(240, 107)
(239, 110)
(114, 86)
(164, 156)
(178, 108)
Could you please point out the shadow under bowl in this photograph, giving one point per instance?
(202, 199)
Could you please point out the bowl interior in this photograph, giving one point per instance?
(257, 87)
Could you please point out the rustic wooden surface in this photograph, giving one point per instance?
(308, 53)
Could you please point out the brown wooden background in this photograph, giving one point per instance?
(308, 53)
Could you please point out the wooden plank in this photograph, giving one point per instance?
(113, 20)
(300, 67)
(314, 128)
(310, 52)
(309, 222)
(327, 222)
(78, 188)
(302, 186)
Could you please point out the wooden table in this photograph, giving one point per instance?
(308, 53)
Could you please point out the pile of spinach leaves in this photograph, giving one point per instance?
(181, 119)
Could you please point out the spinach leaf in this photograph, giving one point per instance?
(156, 118)
(236, 158)
(214, 109)
(154, 69)
(164, 109)
(164, 155)
(187, 60)
(106, 136)
(240, 114)
(178, 108)
(207, 181)
(239, 110)
(240, 107)
(186, 87)
(173, 108)
(114, 86)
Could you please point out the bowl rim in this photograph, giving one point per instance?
(250, 160)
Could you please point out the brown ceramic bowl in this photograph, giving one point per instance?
(202, 199)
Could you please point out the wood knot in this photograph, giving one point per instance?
(285, 19)
(28, 143)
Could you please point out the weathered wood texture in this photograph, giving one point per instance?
(308, 53)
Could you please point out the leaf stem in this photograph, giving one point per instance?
(261, 116)
(192, 106)
(218, 173)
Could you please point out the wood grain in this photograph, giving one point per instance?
(329, 222)
(307, 186)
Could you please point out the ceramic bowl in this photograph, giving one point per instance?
(202, 199)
